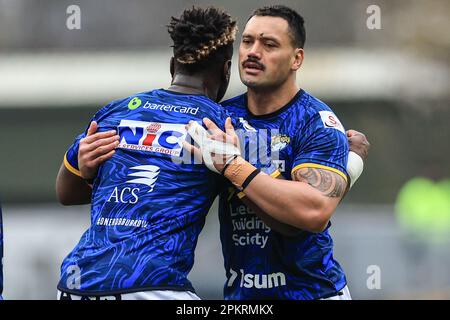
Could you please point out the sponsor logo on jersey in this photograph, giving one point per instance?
(330, 120)
(110, 222)
(146, 175)
(124, 195)
(248, 229)
(165, 138)
(170, 108)
(257, 281)
(279, 141)
(134, 103)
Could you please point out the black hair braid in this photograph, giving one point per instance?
(198, 33)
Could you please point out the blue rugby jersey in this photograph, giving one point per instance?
(149, 201)
(261, 263)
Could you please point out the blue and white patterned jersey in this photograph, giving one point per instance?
(149, 201)
(261, 263)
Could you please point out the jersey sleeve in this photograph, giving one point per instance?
(71, 156)
(323, 144)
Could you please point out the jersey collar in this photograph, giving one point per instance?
(279, 111)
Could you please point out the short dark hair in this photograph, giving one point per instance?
(202, 37)
(295, 21)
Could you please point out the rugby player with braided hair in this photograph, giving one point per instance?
(147, 209)
(96, 148)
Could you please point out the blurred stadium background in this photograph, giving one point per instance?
(392, 84)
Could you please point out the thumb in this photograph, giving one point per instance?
(92, 128)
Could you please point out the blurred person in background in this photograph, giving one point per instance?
(423, 212)
(423, 209)
(147, 209)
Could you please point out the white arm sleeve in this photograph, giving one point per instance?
(355, 167)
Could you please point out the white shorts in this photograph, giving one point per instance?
(143, 295)
(344, 294)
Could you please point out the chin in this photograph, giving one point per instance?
(250, 83)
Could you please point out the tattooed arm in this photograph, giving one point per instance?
(306, 203)
(330, 184)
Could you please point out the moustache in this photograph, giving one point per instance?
(253, 63)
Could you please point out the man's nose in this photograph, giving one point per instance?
(255, 51)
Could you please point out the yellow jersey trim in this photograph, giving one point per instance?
(275, 174)
(241, 195)
(70, 168)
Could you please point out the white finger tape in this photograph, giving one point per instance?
(209, 146)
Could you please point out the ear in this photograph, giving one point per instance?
(298, 59)
(172, 66)
(227, 70)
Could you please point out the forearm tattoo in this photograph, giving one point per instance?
(329, 183)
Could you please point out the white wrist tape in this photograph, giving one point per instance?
(208, 146)
(355, 167)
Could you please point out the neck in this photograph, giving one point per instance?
(191, 85)
(266, 101)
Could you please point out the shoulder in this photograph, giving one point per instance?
(319, 114)
(131, 102)
(236, 104)
(235, 101)
(114, 105)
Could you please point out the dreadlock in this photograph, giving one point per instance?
(201, 37)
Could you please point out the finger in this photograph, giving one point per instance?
(193, 150)
(104, 157)
(229, 129)
(188, 125)
(99, 136)
(211, 125)
(97, 145)
(218, 136)
(97, 151)
(92, 128)
(189, 147)
(101, 151)
(197, 132)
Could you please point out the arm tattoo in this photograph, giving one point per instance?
(329, 183)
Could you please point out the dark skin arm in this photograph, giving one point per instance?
(72, 189)
(358, 143)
